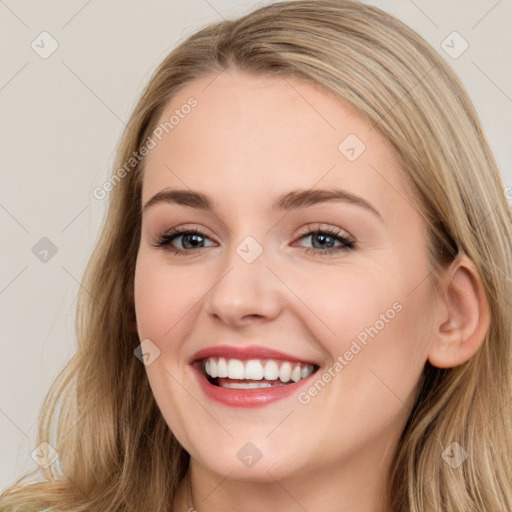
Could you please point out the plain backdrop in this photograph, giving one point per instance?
(61, 119)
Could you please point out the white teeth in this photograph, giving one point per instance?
(271, 370)
(253, 370)
(236, 369)
(306, 371)
(256, 369)
(222, 368)
(296, 374)
(246, 385)
(285, 372)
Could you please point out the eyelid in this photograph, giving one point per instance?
(322, 226)
(185, 228)
(175, 232)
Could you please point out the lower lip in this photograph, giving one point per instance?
(247, 397)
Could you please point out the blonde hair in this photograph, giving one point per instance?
(116, 453)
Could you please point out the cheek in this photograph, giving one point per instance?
(348, 302)
(374, 323)
(378, 353)
(163, 296)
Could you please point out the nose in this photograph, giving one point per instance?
(245, 292)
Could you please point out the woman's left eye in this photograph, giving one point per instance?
(326, 239)
(193, 238)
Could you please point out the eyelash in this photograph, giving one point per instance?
(165, 240)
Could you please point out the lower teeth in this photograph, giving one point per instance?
(250, 385)
(246, 384)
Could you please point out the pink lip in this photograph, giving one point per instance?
(247, 397)
(243, 353)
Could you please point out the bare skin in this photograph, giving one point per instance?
(249, 140)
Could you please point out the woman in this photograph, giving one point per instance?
(224, 364)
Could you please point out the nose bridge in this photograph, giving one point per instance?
(245, 286)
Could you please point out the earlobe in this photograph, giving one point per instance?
(464, 316)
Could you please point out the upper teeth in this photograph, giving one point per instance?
(257, 369)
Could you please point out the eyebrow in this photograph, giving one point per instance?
(293, 200)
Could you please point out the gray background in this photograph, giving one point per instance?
(61, 119)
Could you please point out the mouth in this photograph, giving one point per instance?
(246, 374)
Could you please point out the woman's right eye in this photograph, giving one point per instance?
(187, 236)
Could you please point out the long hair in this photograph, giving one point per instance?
(116, 453)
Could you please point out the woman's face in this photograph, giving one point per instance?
(350, 300)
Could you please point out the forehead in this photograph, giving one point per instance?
(254, 137)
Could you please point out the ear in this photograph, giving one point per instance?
(463, 316)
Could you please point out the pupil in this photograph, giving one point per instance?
(323, 238)
(195, 237)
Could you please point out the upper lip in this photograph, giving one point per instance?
(249, 352)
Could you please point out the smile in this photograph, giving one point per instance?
(250, 392)
(253, 373)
